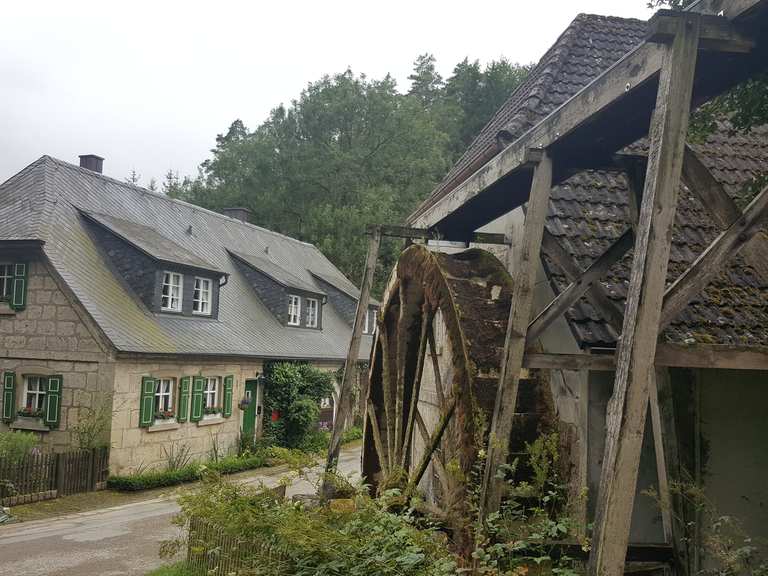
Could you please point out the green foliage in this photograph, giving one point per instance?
(178, 569)
(533, 516)
(352, 434)
(286, 538)
(348, 152)
(92, 424)
(177, 455)
(15, 445)
(180, 474)
(744, 107)
(295, 391)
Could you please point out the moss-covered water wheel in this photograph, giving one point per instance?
(434, 376)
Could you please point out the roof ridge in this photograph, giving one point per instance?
(159, 195)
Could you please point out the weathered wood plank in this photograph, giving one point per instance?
(578, 287)
(715, 32)
(628, 406)
(427, 234)
(431, 446)
(712, 261)
(596, 294)
(353, 353)
(665, 498)
(722, 209)
(524, 275)
(426, 323)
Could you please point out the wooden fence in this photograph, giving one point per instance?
(49, 475)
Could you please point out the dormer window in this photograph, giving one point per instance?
(312, 314)
(201, 298)
(294, 310)
(172, 292)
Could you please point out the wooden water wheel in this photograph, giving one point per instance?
(434, 374)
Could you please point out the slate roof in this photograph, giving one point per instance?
(150, 241)
(276, 272)
(44, 202)
(589, 210)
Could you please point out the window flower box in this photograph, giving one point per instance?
(244, 403)
(212, 410)
(31, 413)
(165, 415)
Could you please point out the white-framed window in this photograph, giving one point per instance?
(35, 388)
(369, 327)
(312, 312)
(6, 281)
(164, 396)
(294, 310)
(201, 298)
(172, 291)
(211, 395)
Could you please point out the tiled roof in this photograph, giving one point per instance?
(588, 47)
(590, 210)
(44, 202)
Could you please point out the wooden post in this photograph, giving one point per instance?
(524, 275)
(627, 408)
(350, 366)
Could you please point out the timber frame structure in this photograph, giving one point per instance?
(688, 58)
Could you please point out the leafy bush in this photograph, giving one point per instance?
(295, 390)
(352, 434)
(15, 445)
(284, 538)
(187, 473)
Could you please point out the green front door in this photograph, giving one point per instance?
(249, 414)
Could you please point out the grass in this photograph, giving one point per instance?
(178, 569)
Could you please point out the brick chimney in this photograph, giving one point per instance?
(243, 214)
(91, 162)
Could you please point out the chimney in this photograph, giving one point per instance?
(243, 214)
(91, 162)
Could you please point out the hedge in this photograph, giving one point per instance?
(188, 473)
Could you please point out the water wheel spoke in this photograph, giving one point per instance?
(426, 323)
(442, 473)
(385, 381)
(402, 351)
(376, 431)
(432, 445)
(436, 366)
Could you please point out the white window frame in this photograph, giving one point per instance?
(170, 276)
(313, 305)
(6, 275)
(164, 394)
(204, 303)
(207, 393)
(39, 392)
(370, 321)
(294, 310)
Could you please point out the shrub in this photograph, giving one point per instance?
(15, 445)
(186, 473)
(352, 434)
(282, 538)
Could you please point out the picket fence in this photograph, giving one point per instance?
(42, 476)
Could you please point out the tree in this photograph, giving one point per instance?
(133, 177)
(426, 83)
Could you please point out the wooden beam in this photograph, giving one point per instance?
(578, 287)
(350, 366)
(442, 473)
(716, 32)
(707, 356)
(431, 234)
(628, 406)
(723, 209)
(426, 323)
(712, 261)
(524, 278)
(596, 294)
(627, 75)
(665, 497)
(431, 446)
(731, 9)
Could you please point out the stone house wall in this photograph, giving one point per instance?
(54, 336)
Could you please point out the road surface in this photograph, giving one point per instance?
(117, 541)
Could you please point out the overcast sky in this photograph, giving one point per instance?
(148, 85)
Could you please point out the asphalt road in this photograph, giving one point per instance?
(122, 540)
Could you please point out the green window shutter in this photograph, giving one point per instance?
(229, 382)
(198, 383)
(147, 402)
(181, 413)
(19, 296)
(53, 402)
(9, 396)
